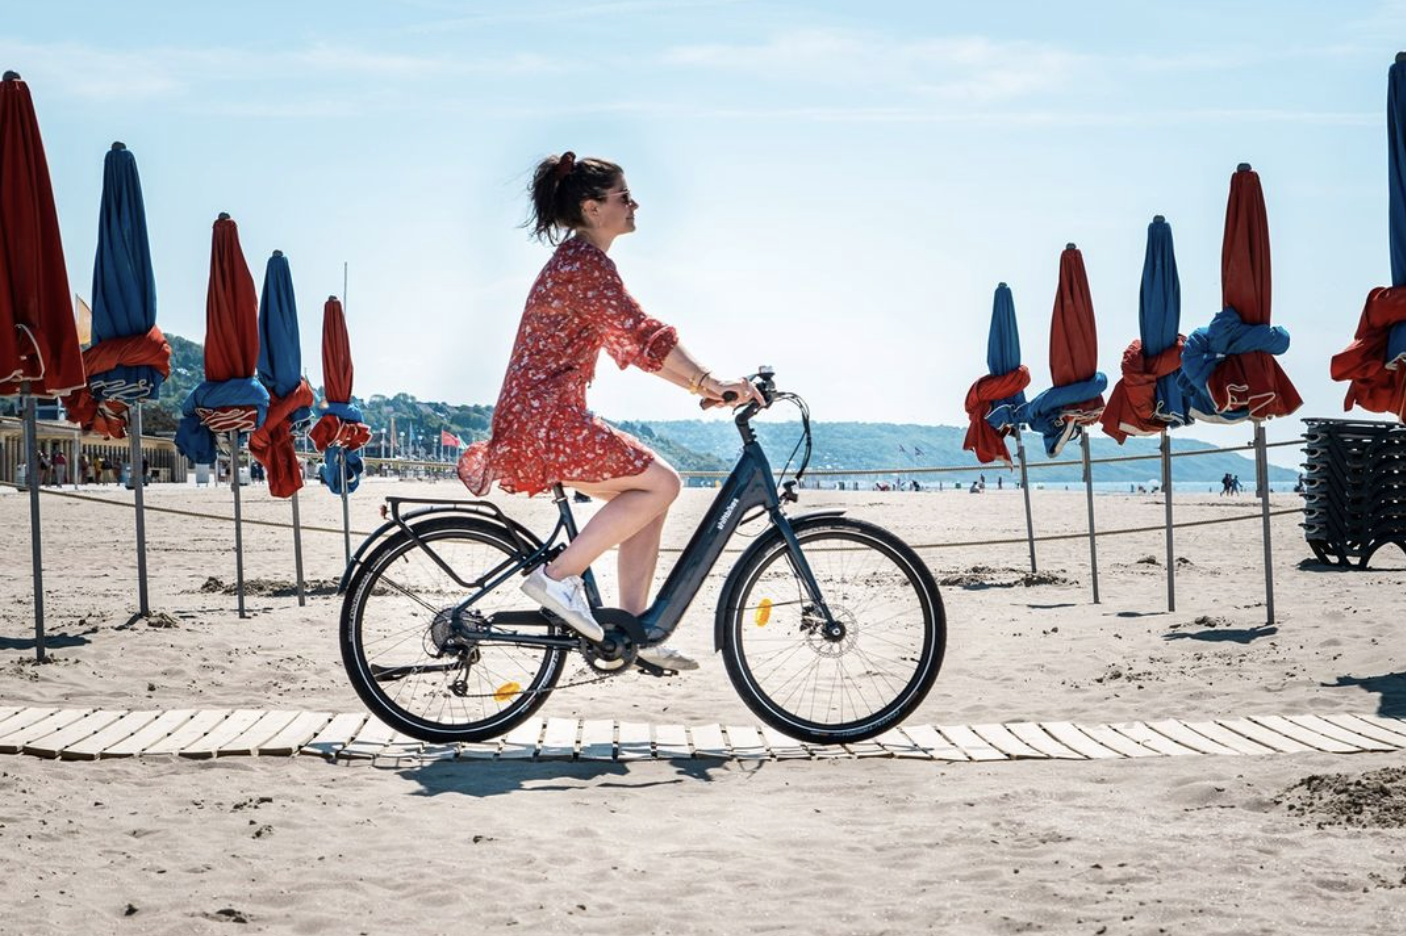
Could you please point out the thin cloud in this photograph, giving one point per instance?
(96, 74)
(960, 68)
(561, 13)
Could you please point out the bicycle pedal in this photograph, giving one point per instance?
(649, 669)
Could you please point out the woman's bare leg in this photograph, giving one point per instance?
(634, 503)
(638, 556)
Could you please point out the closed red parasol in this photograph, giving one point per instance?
(1076, 397)
(231, 399)
(1073, 332)
(38, 337)
(1375, 384)
(231, 309)
(341, 424)
(1252, 380)
(39, 350)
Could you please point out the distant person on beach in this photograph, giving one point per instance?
(543, 434)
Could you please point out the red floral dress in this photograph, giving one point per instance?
(542, 432)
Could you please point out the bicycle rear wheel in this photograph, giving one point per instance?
(408, 667)
(828, 689)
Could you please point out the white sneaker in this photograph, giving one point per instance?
(666, 657)
(566, 599)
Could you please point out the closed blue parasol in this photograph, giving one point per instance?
(130, 357)
(1159, 317)
(1147, 398)
(1003, 356)
(281, 373)
(124, 287)
(993, 402)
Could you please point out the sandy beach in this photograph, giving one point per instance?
(1158, 845)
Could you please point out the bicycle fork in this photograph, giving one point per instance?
(834, 630)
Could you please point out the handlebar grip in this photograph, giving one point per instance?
(728, 397)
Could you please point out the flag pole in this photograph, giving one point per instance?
(1089, 495)
(1167, 497)
(1025, 490)
(138, 489)
(238, 531)
(32, 480)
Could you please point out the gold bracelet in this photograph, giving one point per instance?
(696, 384)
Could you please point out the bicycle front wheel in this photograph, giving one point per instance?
(828, 688)
(402, 656)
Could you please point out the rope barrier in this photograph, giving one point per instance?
(950, 545)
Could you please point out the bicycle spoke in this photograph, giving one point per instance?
(825, 679)
(402, 624)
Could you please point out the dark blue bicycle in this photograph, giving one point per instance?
(832, 629)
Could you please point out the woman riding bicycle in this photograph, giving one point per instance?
(543, 434)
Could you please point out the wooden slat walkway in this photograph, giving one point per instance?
(93, 734)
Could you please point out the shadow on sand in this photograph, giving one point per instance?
(1392, 687)
(482, 779)
(1240, 635)
(58, 641)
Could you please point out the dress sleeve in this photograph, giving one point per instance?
(631, 336)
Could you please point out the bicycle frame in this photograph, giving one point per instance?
(749, 486)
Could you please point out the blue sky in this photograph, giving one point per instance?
(831, 188)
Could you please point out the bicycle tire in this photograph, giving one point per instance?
(890, 567)
(522, 701)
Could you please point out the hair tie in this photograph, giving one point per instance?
(565, 164)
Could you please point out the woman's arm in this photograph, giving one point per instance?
(682, 368)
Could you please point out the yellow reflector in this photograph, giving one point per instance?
(763, 612)
(506, 692)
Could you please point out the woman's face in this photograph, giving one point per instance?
(614, 213)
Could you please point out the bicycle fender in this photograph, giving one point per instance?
(423, 521)
(798, 522)
(354, 565)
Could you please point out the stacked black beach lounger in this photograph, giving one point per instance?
(1355, 498)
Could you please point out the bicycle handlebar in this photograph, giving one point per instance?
(763, 381)
(709, 404)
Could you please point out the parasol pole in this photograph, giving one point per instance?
(1025, 490)
(346, 516)
(31, 481)
(238, 532)
(1262, 480)
(134, 436)
(1089, 495)
(1167, 497)
(298, 548)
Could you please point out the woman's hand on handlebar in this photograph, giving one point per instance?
(742, 389)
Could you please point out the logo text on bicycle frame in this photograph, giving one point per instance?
(727, 513)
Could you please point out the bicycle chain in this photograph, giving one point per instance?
(536, 692)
